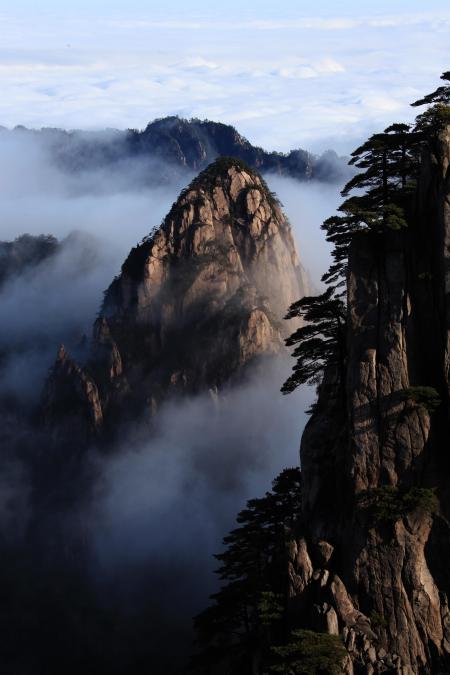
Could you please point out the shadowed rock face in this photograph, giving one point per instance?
(387, 578)
(199, 300)
(72, 399)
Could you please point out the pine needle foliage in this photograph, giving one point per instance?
(319, 341)
(378, 199)
(309, 653)
(248, 611)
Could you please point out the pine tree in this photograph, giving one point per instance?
(437, 116)
(320, 341)
(309, 653)
(246, 629)
(439, 95)
(388, 165)
(248, 611)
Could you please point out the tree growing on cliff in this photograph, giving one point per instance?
(439, 95)
(320, 341)
(247, 614)
(437, 116)
(386, 161)
(388, 164)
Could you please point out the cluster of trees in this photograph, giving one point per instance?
(377, 198)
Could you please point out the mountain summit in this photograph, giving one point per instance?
(196, 302)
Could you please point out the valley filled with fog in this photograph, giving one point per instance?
(159, 506)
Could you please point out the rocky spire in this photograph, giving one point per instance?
(201, 298)
(72, 404)
(375, 464)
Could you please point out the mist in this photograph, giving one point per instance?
(159, 505)
(164, 504)
(307, 205)
(206, 452)
(98, 215)
(36, 195)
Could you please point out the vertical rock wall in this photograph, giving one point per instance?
(387, 578)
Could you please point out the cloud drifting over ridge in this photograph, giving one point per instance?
(285, 80)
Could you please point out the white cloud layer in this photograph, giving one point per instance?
(285, 79)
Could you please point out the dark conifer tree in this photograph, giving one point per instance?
(439, 95)
(437, 115)
(247, 614)
(388, 165)
(320, 341)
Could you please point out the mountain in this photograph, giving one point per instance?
(195, 143)
(197, 302)
(170, 146)
(372, 564)
(24, 254)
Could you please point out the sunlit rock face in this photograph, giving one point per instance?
(200, 300)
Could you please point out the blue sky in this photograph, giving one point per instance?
(322, 7)
(286, 74)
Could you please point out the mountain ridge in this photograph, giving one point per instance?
(181, 145)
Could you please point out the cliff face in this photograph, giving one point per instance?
(374, 562)
(197, 301)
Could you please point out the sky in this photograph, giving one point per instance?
(286, 74)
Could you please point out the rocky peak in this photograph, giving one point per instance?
(201, 298)
(229, 227)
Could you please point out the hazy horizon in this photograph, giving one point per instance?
(285, 77)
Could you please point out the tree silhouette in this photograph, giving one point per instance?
(320, 341)
(248, 611)
(439, 95)
(437, 116)
(309, 653)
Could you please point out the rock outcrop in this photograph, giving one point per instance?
(372, 563)
(196, 302)
(72, 401)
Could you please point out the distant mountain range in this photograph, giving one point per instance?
(181, 145)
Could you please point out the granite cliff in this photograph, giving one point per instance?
(196, 303)
(372, 561)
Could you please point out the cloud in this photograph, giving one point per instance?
(322, 75)
(199, 63)
(164, 504)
